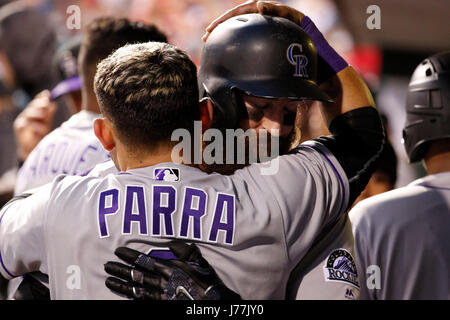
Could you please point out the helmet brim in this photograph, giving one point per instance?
(296, 90)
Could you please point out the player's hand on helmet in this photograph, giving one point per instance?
(34, 123)
(271, 8)
(190, 277)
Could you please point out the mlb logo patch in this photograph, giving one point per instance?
(166, 174)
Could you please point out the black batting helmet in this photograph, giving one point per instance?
(427, 105)
(263, 56)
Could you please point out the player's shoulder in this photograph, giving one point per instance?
(392, 210)
(47, 140)
(77, 129)
(438, 181)
(103, 169)
(314, 149)
(67, 186)
(81, 120)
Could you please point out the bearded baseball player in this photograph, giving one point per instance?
(402, 241)
(328, 270)
(146, 92)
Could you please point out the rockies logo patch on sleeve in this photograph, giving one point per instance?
(341, 267)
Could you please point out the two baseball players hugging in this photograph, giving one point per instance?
(252, 232)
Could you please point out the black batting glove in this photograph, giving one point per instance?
(190, 277)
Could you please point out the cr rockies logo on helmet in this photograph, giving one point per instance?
(300, 61)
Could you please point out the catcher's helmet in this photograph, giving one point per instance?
(263, 56)
(427, 105)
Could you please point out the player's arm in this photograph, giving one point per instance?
(22, 243)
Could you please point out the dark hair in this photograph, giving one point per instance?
(106, 34)
(148, 90)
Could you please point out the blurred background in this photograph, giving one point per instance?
(410, 30)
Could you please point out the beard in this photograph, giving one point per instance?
(258, 152)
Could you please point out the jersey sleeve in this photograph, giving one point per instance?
(22, 232)
(310, 189)
(357, 142)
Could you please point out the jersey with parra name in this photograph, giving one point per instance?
(326, 277)
(253, 228)
(71, 149)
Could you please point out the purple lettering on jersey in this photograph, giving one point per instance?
(59, 155)
(34, 161)
(68, 163)
(166, 209)
(193, 212)
(83, 158)
(223, 200)
(47, 155)
(141, 216)
(104, 210)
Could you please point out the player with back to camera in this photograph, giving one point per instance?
(402, 242)
(73, 148)
(307, 279)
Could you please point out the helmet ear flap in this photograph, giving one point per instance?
(237, 97)
(228, 113)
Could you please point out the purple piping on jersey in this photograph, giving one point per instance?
(1, 259)
(337, 172)
(4, 267)
(124, 173)
(86, 173)
(433, 187)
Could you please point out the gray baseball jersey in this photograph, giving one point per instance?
(326, 276)
(332, 273)
(402, 241)
(71, 149)
(252, 228)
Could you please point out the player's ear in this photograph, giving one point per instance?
(206, 113)
(103, 132)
